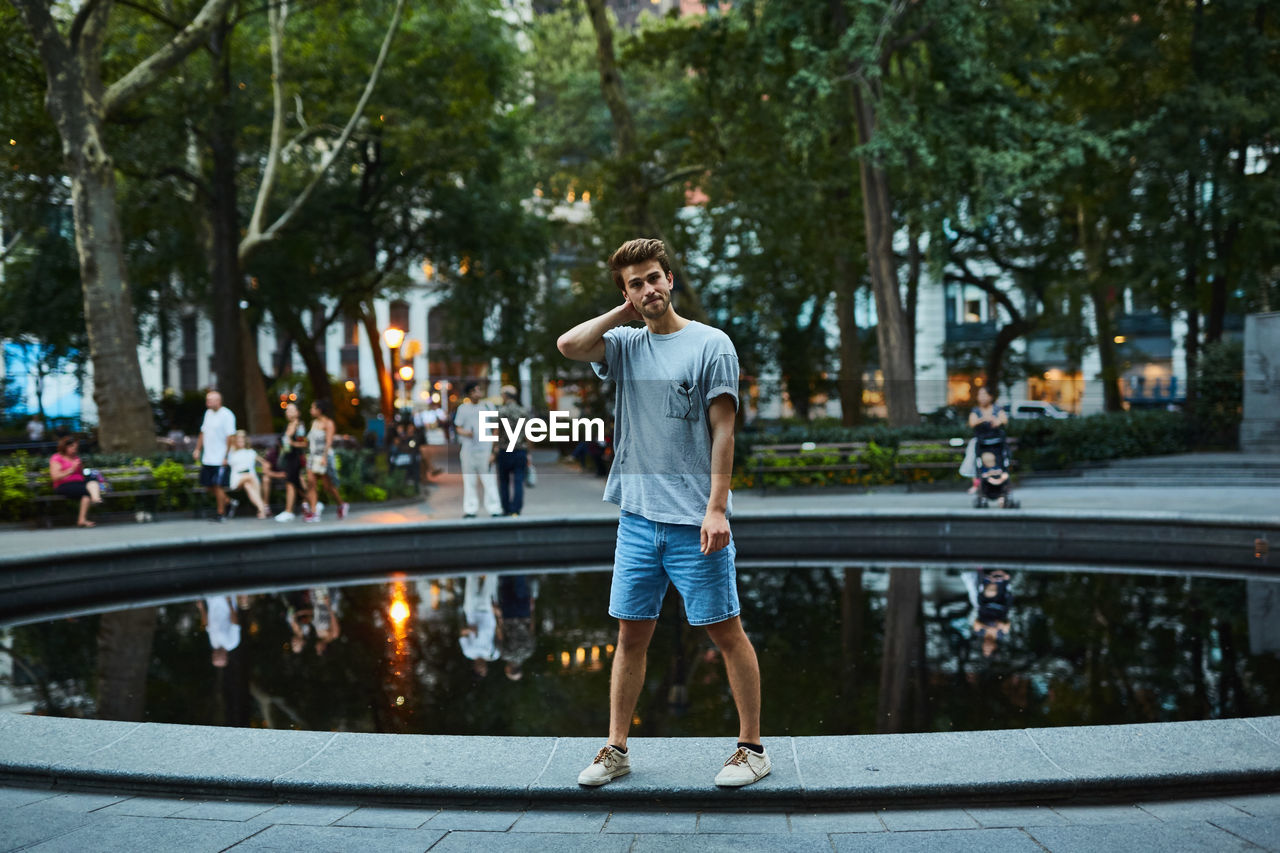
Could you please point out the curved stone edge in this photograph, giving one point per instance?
(1095, 763)
(83, 579)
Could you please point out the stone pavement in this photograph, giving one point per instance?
(49, 821)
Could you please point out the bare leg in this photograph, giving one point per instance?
(253, 491)
(744, 675)
(220, 497)
(83, 520)
(332, 490)
(311, 492)
(627, 677)
(94, 488)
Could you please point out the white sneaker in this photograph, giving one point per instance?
(744, 767)
(285, 516)
(319, 510)
(609, 764)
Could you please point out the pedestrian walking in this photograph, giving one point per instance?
(212, 447)
(476, 458)
(676, 398)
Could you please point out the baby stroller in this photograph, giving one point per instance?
(994, 462)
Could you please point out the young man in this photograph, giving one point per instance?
(677, 394)
(212, 447)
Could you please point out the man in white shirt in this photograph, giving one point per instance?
(216, 434)
(475, 456)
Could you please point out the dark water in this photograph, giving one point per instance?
(842, 651)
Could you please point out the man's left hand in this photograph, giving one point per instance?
(715, 532)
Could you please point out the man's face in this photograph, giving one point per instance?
(647, 288)
(213, 400)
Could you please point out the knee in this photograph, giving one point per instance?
(728, 636)
(634, 636)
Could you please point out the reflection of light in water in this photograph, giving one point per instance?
(399, 612)
(580, 655)
(595, 654)
(564, 659)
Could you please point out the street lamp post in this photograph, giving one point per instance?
(406, 385)
(394, 338)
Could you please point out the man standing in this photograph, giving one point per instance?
(513, 463)
(677, 394)
(475, 456)
(216, 433)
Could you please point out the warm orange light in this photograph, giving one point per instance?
(350, 385)
(406, 373)
(580, 655)
(1120, 339)
(564, 658)
(394, 337)
(399, 611)
(595, 653)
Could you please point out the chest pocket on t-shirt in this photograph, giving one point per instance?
(682, 401)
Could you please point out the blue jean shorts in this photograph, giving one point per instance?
(651, 554)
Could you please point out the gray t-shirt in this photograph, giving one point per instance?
(662, 439)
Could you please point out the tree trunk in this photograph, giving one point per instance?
(900, 686)
(1103, 297)
(386, 392)
(225, 286)
(630, 182)
(892, 333)
(257, 408)
(850, 381)
(124, 657)
(124, 411)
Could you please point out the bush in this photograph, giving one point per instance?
(1219, 401)
(14, 496)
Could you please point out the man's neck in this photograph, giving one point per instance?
(667, 324)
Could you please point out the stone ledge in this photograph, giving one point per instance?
(1094, 763)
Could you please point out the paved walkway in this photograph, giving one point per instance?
(565, 490)
(49, 821)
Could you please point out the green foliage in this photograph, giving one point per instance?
(1045, 444)
(1219, 398)
(173, 478)
(14, 493)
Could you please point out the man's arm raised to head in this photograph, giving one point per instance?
(585, 341)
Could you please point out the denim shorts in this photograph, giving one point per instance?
(652, 554)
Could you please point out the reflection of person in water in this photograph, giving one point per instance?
(992, 602)
(479, 635)
(516, 597)
(311, 613)
(219, 618)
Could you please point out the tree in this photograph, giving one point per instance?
(80, 102)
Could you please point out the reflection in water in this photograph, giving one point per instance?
(870, 650)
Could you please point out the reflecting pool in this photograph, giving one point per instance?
(842, 651)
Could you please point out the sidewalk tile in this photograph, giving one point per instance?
(1014, 816)
(1258, 805)
(1262, 831)
(305, 814)
(952, 841)
(644, 822)
(900, 820)
(223, 810)
(149, 806)
(34, 823)
(734, 843)
(1184, 810)
(78, 802)
(478, 820)
(1189, 837)
(134, 834)
(388, 818)
(532, 842)
(1104, 814)
(557, 820)
(12, 798)
(737, 823)
(356, 839)
(836, 822)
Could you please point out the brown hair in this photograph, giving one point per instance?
(637, 252)
(65, 442)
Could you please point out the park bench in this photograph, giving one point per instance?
(125, 483)
(834, 462)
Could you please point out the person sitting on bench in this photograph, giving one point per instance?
(66, 470)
